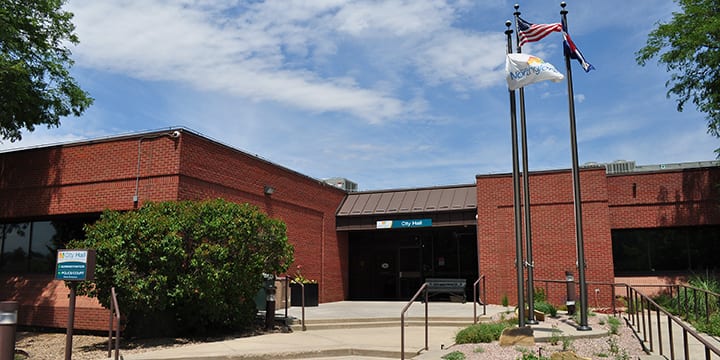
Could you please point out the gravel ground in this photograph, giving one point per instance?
(51, 346)
(596, 348)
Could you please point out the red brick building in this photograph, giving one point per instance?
(73, 183)
(367, 245)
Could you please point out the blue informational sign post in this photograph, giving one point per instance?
(74, 265)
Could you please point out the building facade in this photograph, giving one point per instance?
(651, 223)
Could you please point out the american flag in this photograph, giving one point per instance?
(529, 32)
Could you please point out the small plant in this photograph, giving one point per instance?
(601, 321)
(529, 355)
(455, 355)
(505, 302)
(299, 278)
(479, 350)
(613, 325)
(601, 355)
(616, 351)
(555, 335)
(566, 342)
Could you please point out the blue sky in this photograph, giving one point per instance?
(390, 94)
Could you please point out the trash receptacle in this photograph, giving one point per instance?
(8, 326)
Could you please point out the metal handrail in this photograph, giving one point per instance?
(114, 309)
(645, 303)
(402, 320)
(475, 297)
(302, 300)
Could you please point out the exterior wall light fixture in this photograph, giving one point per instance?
(268, 190)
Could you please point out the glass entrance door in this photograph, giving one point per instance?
(409, 271)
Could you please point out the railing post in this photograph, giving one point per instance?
(612, 298)
(659, 327)
(707, 308)
(426, 321)
(649, 321)
(484, 292)
(402, 320)
(670, 335)
(695, 304)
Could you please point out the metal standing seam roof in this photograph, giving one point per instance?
(409, 201)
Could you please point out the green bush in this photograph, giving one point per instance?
(711, 327)
(546, 308)
(481, 333)
(185, 267)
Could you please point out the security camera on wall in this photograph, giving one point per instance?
(175, 134)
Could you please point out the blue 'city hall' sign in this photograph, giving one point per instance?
(403, 224)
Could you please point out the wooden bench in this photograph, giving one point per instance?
(446, 286)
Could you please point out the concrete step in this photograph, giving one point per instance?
(324, 324)
(431, 319)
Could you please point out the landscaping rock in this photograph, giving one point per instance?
(520, 336)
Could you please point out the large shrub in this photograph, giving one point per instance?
(185, 267)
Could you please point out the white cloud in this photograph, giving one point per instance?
(274, 51)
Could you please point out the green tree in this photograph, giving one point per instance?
(689, 46)
(35, 84)
(185, 267)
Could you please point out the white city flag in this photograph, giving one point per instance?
(525, 69)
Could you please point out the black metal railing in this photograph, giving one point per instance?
(640, 317)
(114, 319)
(289, 279)
(476, 285)
(402, 320)
(611, 286)
(687, 304)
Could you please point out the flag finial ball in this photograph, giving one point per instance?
(563, 4)
(517, 6)
(508, 23)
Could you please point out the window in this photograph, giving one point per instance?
(666, 250)
(31, 247)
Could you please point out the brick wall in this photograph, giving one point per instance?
(553, 232)
(665, 199)
(90, 177)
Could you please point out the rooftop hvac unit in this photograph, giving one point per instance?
(343, 183)
(620, 167)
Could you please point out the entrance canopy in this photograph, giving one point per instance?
(443, 206)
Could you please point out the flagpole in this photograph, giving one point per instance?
(526, 193)
(516, 193)
(576, 189)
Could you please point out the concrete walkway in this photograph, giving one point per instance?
(353, 330)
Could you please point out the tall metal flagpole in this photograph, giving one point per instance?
(526, 192)
(516, 194)
(576, 190)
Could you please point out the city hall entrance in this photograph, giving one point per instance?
(393, 264)
(397, 239)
